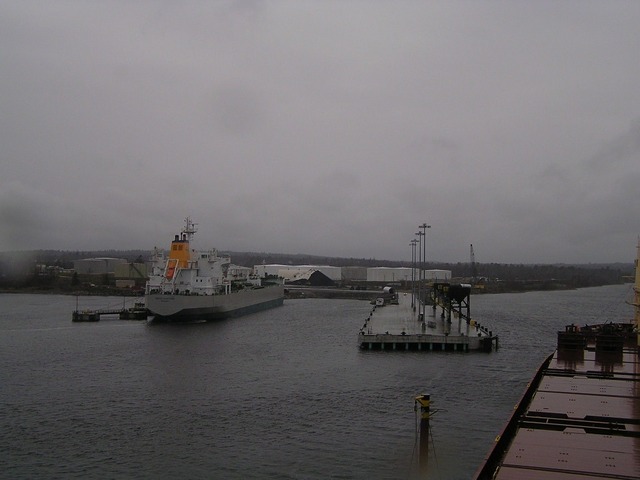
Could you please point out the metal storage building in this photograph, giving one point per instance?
(311, 277)
(437, 275)
(238, 272)
(389, 274)
(267, 270)
(334, 273)
(101, 265)
(354, 274)
(403, 274)
(287, 271)
(134, 271)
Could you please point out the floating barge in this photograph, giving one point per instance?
(137, 312)
(397, 323)
(579, 417)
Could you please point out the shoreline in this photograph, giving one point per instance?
(302, 292)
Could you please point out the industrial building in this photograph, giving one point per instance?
(404, 274)
(270, 270)
(436, 275)
(128, 275)
(97, 266)
(310, 277)
(238, 272)
(389, 274)
(354, 274)
(131, 270)
(288, 271)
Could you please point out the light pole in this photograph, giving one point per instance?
(413, 273)
(420, 234)
(424, 227)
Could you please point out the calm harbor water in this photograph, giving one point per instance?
(283, 394)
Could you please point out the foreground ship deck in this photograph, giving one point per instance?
(399, 327)
(579, 419)
(580, 416)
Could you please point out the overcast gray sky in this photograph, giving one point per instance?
(323, 127)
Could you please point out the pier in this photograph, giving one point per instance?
(394, 324)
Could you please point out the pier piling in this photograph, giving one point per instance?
(424, 401)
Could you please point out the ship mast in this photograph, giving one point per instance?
(189, 229)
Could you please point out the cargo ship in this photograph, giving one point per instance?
(579, 417)
(191, 285)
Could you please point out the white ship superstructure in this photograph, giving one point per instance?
(189, 284)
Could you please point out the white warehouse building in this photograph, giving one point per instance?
(374, 274)
(99, 265)
(267, 270)
(403, 274)
(389, 274)
(289, 271)
(437, 275)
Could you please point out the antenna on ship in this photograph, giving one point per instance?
(189, 229)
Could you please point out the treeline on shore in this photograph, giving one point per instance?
(31, 269)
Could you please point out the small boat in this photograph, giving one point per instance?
(137, 312)
(85, 316)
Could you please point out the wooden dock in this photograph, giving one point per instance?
(400, 327)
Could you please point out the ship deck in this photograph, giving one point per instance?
(397, 327)
(579, 419)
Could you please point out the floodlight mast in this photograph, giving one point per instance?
(420, 234)
(413, 273)
(424, 227)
